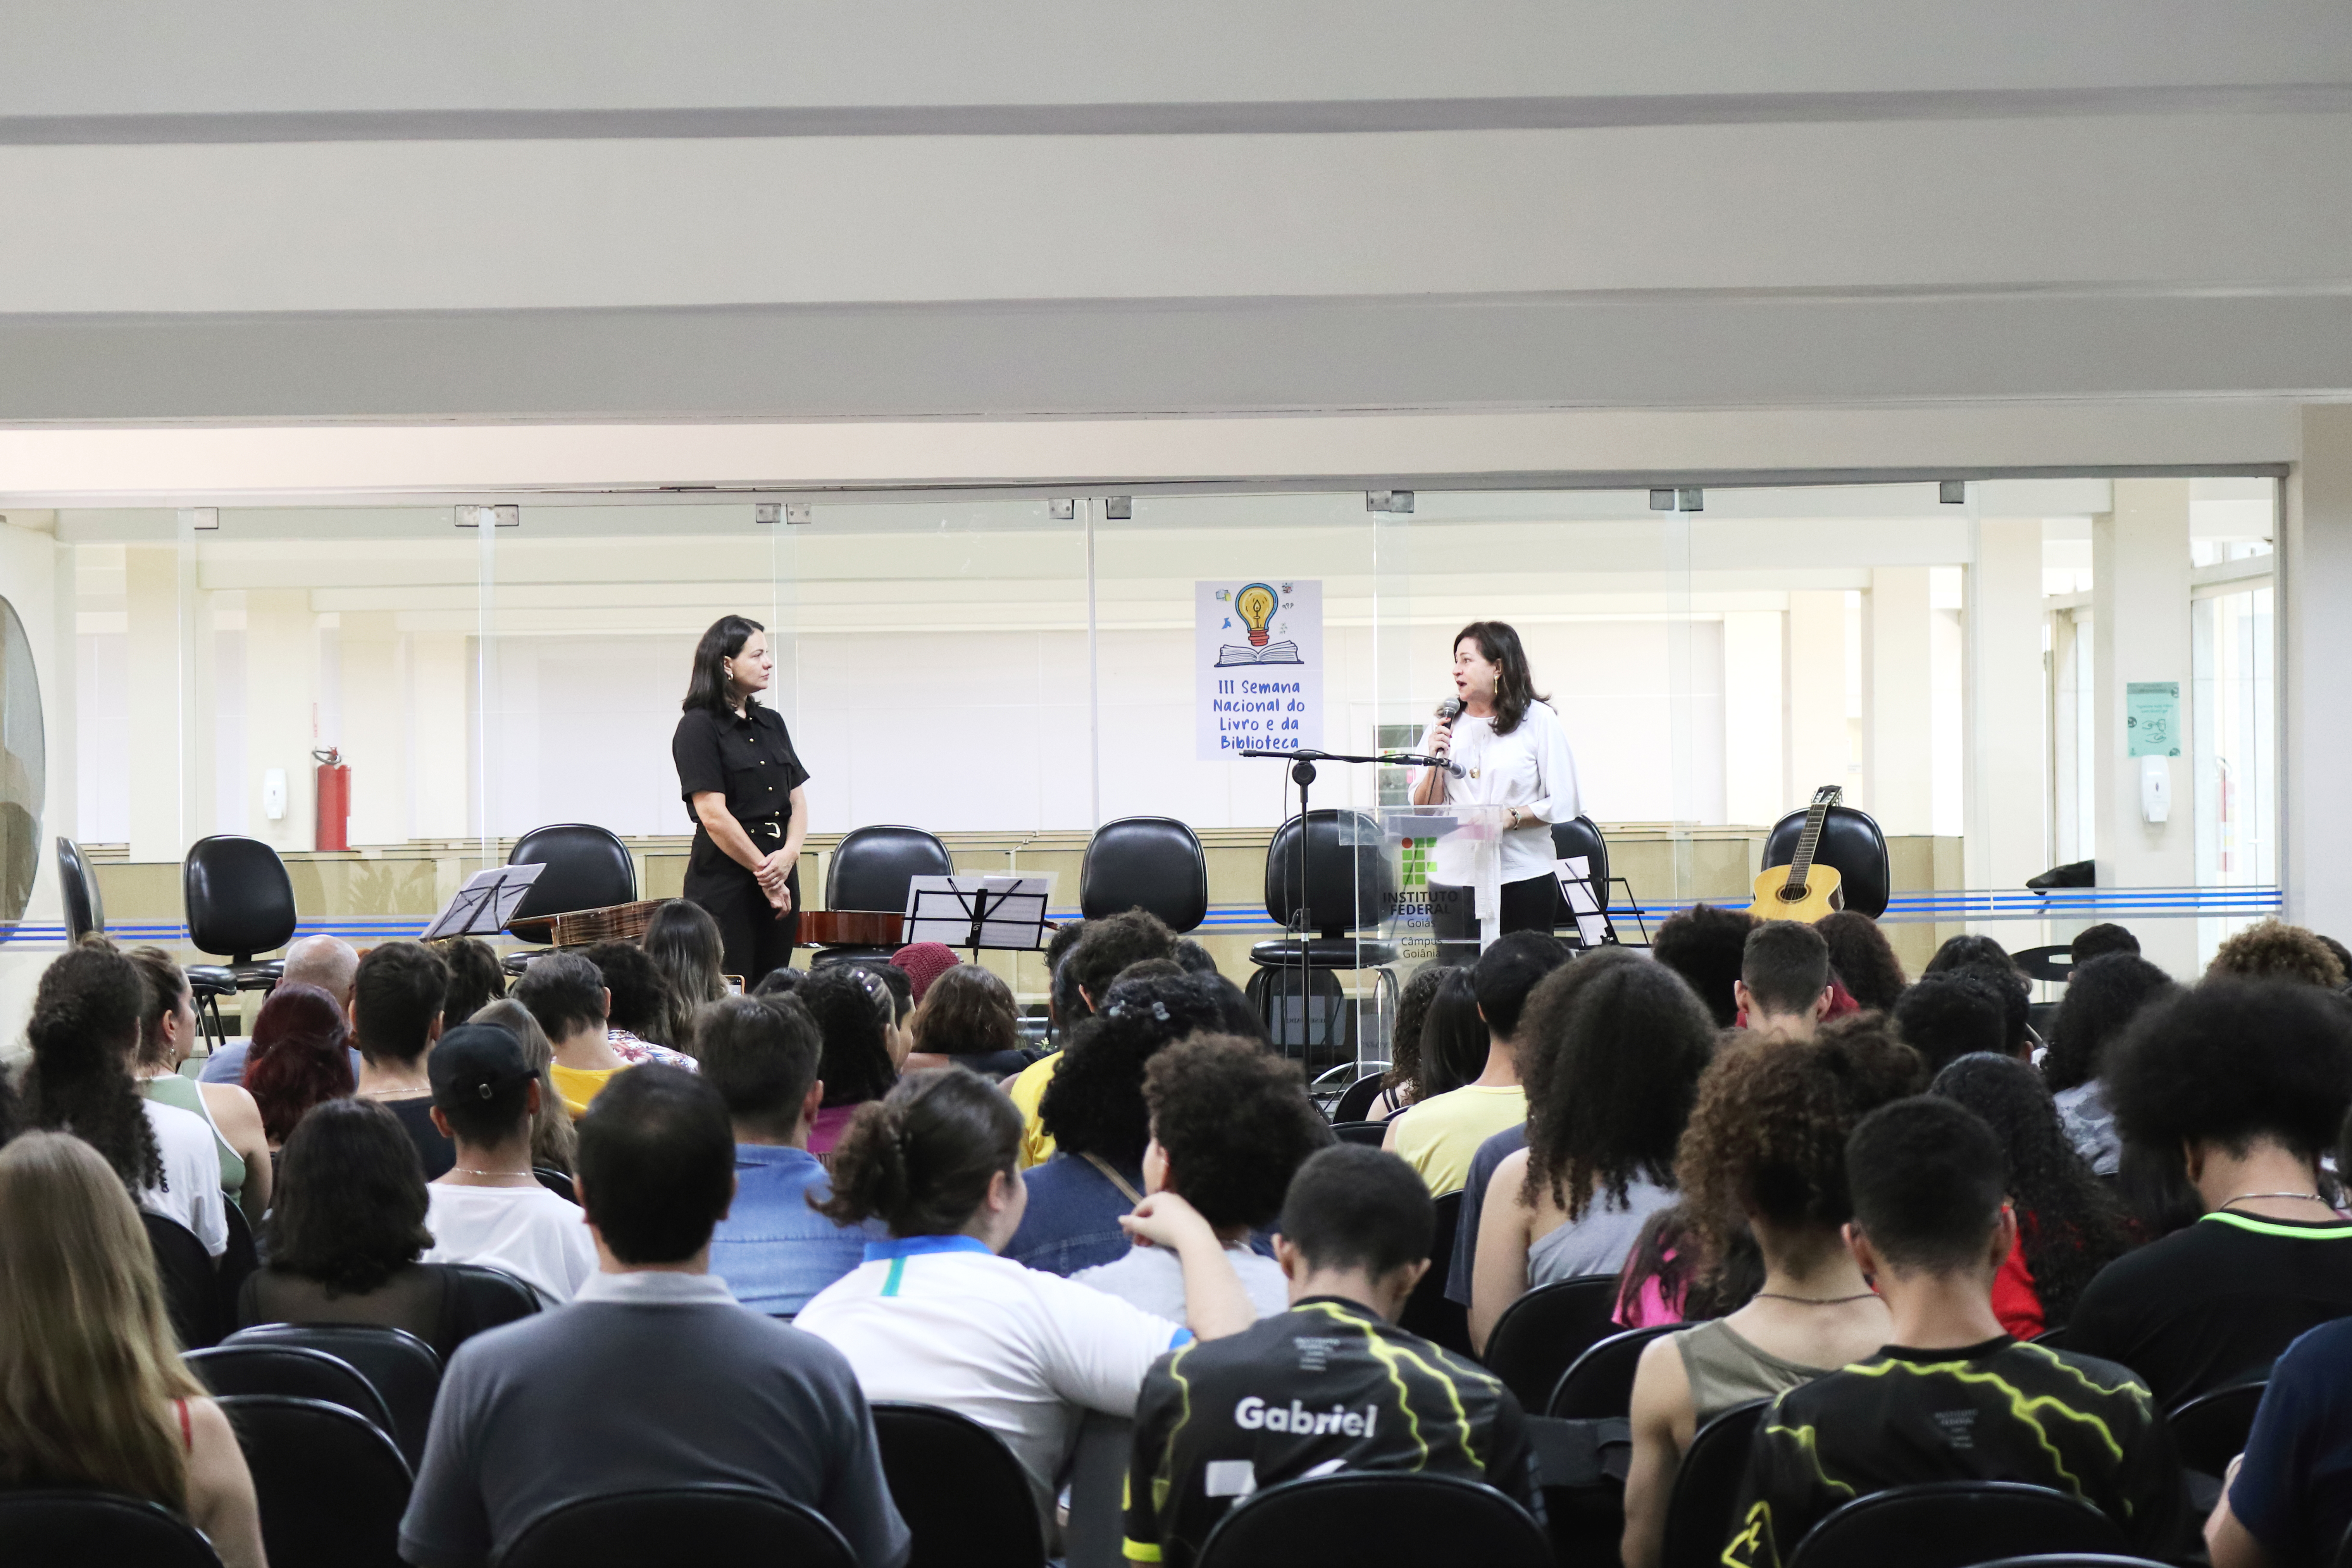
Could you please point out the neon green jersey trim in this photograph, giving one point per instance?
(2292, 1231)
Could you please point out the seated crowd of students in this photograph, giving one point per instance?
(749, 1218)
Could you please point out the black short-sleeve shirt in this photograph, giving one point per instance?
(748, 759)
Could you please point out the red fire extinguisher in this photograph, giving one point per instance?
(334, 798)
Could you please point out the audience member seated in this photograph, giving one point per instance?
(1952, 1015)
(1231, 1124)
(774, 1249)
(2274, 950)
(1862, 959)
(684, 942)
(395, 1018)
(922, 963)
(852, 1009)
(167, 1033)
(300, 1058)
(1402, 1083)
(1096, 956)
(934, 1316)
(2289, 1497)
(489, 1208)
(2097, 941)
(1707, 947)
(653, 1376)
(476, 978)
(554, 1142)
(97, 1396)
(2068, 1224)
(1784, 980)
(1438, 1136)
(327, 963)
(1764, 1157)
(1095, 1109)
(85, 1031)
(1330, 1384)
(2242, 1086)
(568, 995)
(782, 981)
(1611, 1081)
(1968, 950)
(1064, 1008)
(637, 1023)
(1951, 1397)
(2103, 995)
(966, 1016)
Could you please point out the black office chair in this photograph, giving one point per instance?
(331, 1486)
(1956, 1524)
(1350, 886)
(1850, 845)
(1152, 863)
(1599, 1384)
(185, 1269)
(294, 1371)
(556, 1181)
(869, 870)
(582, 867)
(1706, 1487)
(1540, 1335)
(2211, 1430)
(237, 1263)
(710, 1522)
(1581, 836)
(2052, 963)
(963, 1495)
(487, 1298)
(1356, 1100)
(1427, 1313)
(402, 1368)
(1377, 1519)
(71, 1528)
(85, 910)
(1371, 1133)
(238, 901)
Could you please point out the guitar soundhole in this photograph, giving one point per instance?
(1796, 895)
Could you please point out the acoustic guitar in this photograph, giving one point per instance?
(1801, 891)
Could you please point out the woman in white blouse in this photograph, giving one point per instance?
(1513, 754)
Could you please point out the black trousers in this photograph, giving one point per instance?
(1529, 905)
(755, 939)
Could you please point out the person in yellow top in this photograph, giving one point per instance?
(1065, 1005)
(1438, 1136)
(569, 997)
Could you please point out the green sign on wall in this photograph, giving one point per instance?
(2152, 718)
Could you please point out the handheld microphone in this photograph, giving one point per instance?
(1447, 712)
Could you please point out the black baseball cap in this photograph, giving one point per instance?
(475, 1061)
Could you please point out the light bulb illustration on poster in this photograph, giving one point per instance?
(1257, 658)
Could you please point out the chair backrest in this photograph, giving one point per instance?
(71, 1528)
(1540, 1335)
(487, 1298)
(582, 867)
(964, 1496)
(404, 1369)
(1358, 1097)
(1427, 1313)
(1149, 862)
(1352, 879)
(2055, 964)
(1706, 1487)
(1581, 836)
(331, 1485)
(185, 1269)
(239, 900)
(1850, 845)
(715, 1522)
(1956, 1524)
(295, 1371)
(1382, 1519)
(1599, 1384)
(2211, 1430)
(2073, 1560)
(1372, 1133)
(85, 910)
(870, 867)
(238, 1261)
(556, 1181)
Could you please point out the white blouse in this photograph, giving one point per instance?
(1530, 768)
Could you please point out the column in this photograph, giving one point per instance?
(2315, 637)
(281, 641)
(440, 735)
(2006, 795)
(1754, 777)
(2139, 630)
(374, 737)
(1820, 748)
(153, 649)
(1898, 702)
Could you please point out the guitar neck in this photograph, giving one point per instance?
(1816, 816)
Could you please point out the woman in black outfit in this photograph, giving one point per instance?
(741, 779)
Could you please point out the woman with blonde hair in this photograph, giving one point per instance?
(93, 1393)
(554, 1142)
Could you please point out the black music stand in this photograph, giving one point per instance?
(967, 912)
(484, 905)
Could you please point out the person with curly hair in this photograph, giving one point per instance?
(85, 1033)
(1706, 945)
(301, 1054)
(1231, 1124)
(166, 1035)
(2274, 950)
(1764, 1157)
(1440, 1136)
(1400, 1084)
(2239, 1087)
(2068, 1226)
(2103, 995)
(2098, 941)
(1951, 1015)
(1862, 959)
(853, 1010)
(1611, 1083)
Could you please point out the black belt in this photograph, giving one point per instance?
(765, 828)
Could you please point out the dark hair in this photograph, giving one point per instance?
(2099, 940)
(1862, 958)
(476, 980)
(166, 984)
(1610, 1082)
(1235, 1124)
(1195, 958)
(2102, 996)
(1785, 965)
(901, 986)
(1927, 1178)
(707, 686)
(1109, 945)
(1508, 970)
(1706, 946)
(1404, 1072)
(1671, 1253)
(781, 981)
(761, 1055)
(348, 1209)
(641, 995)
(684, 942)
(2274, 950)
(396, 999)
(2071, 1227)
(1515, 684)
(1454, 1038)
(1352, 1206)
(2231, 1061)
(968, 1009)
(1947, 1016)
(86, 1020)
(845, 1005)
(504, 1112)
(2343, 954)
(1093, 1104)
(1966, 949)
(299, 1057)
(657, 1169)
(1067, 936)
(565, 992)
(920, 1160)
(2015, 993)
(1239, 1013)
